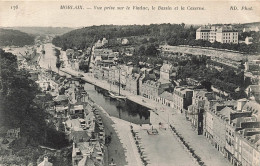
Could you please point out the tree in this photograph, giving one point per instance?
(19, 105)
(151, 50)
(144, 41)
(207, 85)
(141, 50)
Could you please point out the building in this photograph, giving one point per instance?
(76, 111)
(69, 53)
(216, 129)
(80, 128)
(249, 140)
(166, 98)
(98, 72)
(75, 64)
(61, 111)
(225, 122)
(192, 82)
(253, 92)
(248, 40)
(61, 100)
(132, 83)
(167, 71)
(104, 41)
(101, 54)
(83, 152)
(13, 133)
(111, 75)
(232, 127)
(254, 28)
(45, 162)
(98, 44)
(152, 89)
(125, 41)
(252, 65)
(204, 33)
(195, 112)
(222, 34)
(106, 73)
(251, 106)
(182, 98)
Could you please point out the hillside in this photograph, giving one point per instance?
(23, 106)
(156, 34)
(14, 37)
(82, 38)
(240, 27)
(43, 30)
(252, 24)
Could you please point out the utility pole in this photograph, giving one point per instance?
(119, 81)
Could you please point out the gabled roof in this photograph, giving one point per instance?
(254, 107)
(61, 98)
(240, 120)
(254, 88)
(61, 108)
(78, 107)
(226, 112)
(83, 161)
(167, 95)
(45, 162)
(166, 67)
(228, 103)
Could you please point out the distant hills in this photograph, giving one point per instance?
(251, 24)
(172, 34)
(42, 30)
(10, 37)
(85, 37)
(242, 26)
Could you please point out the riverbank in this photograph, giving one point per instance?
(115, 149)
(88, 77)
(167, 115)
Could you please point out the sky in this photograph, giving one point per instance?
(31, 13)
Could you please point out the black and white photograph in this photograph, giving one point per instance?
(129, 83)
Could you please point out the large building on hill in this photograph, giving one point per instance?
(222, 34)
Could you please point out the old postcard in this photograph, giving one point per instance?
(130, 83)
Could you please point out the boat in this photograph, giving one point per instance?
(114, 95)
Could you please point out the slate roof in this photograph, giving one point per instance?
(167, 95)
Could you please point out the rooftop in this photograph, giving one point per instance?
(75, 124)
(61, 98)
(167, 95)
(61, 108)
(226, 112)
(45, 162)
(166, 67)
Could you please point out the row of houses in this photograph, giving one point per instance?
(232, 127)
(104, 42)
(139, 81)
(74, 114)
